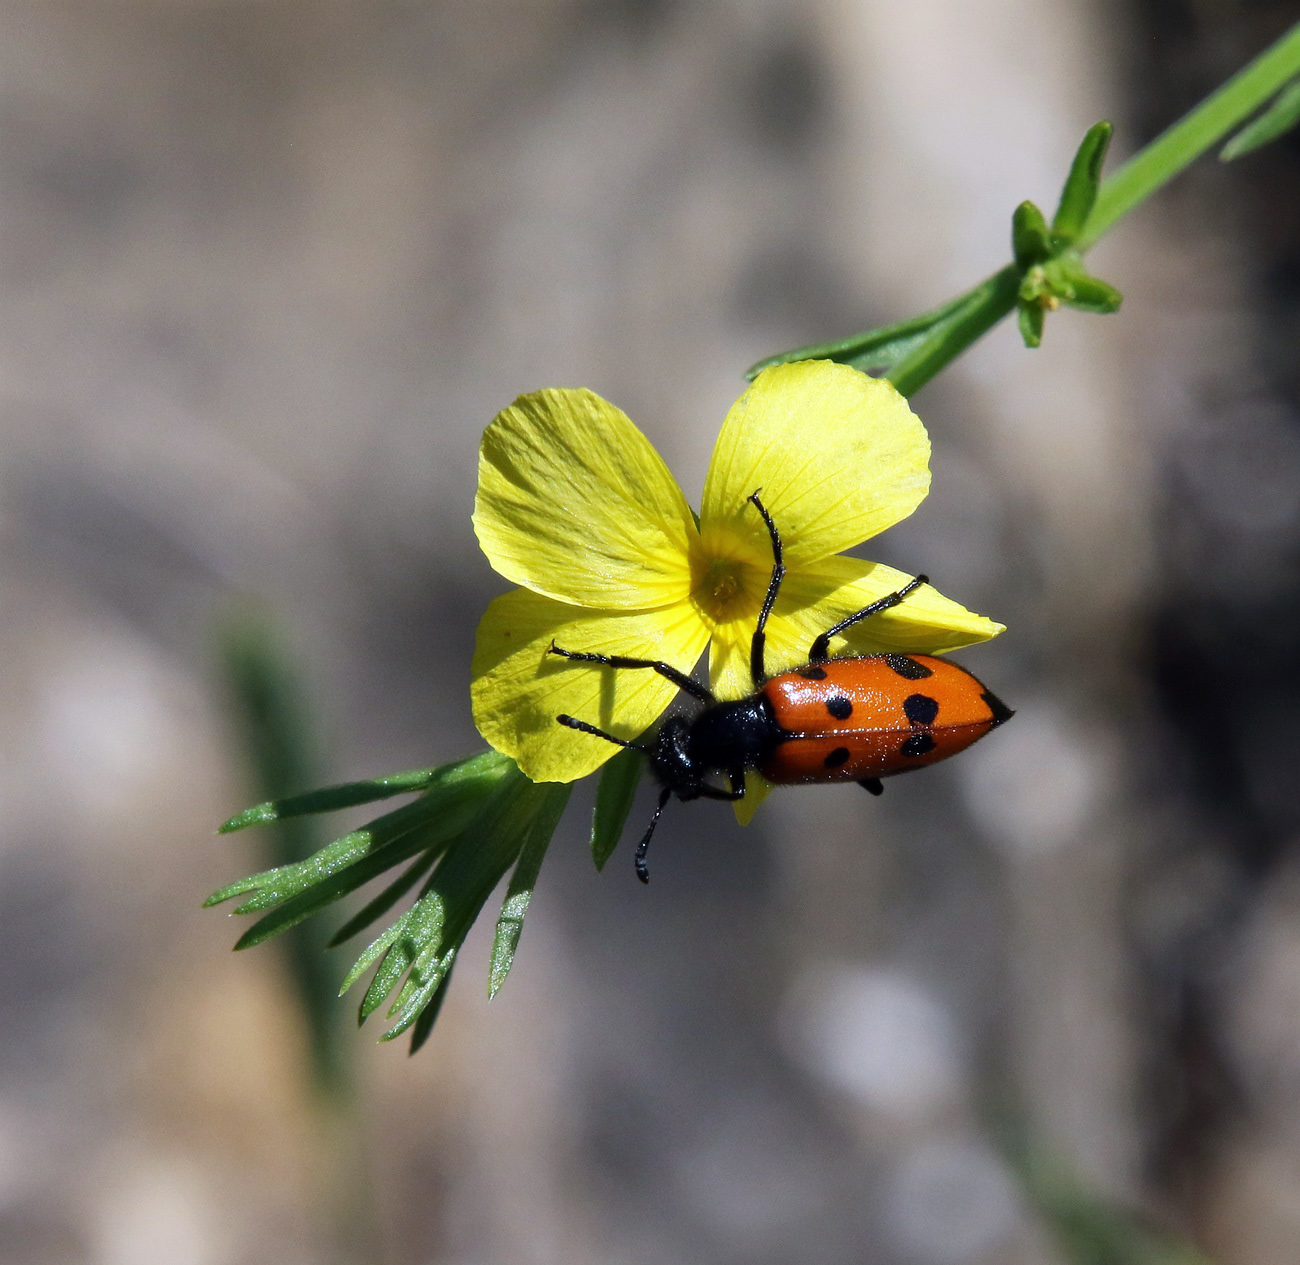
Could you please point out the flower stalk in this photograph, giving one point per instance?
(913, 352)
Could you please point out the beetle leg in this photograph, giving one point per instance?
(820, 650)
(872, 784)
(756, 646)
(642, 872)
(716, 792)
(679, 679)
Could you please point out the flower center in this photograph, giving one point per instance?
(722, 592)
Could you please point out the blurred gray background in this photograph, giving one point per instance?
(269, 268)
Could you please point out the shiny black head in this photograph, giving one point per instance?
(723, 740)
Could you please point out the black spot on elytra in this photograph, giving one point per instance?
(1001, 712)
(813, 673)
(917, 744)
(839, 706)
(921, 709)
(907, 668)
(837, 757)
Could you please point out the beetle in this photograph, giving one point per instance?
(854, 718)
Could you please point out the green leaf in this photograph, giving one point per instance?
(350, 794)
(1031, 316)
(423, 1026)
(421, 985)
(873, 350)
(420, 931)
(386, 899)
(1080, 192)
(452, 797)
(614, 795)
(1031, 242)
(1203, 127)
(277, 738)
(520, 892)
(316, 898)
(912, 352)
(417, 951)
(978, 311)
(460, 886)
(1092, 1230)
(1280, 117)
(270, 887)
(1085, 293)
(394, 950)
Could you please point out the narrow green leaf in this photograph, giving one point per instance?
(520, 892)
(1088, 1228)
(1092, 294)
(286, 881)
(873, 349)
(419, 928)
(423, 1025)
(614, 795)
(278, 739)
(451, 800)
(1031, 317)
(481, 854)
(377, 948)
(349, 794)
(385, 900)
(434, 928)
(1280, 117)
(465, 878)
(328, 799)
(316, 898)
(910, 353)
(979, 310)
(1080, 192)
(1031, 242)
(423, 987)
(1203, 127)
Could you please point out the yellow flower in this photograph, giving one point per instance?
(576, 506)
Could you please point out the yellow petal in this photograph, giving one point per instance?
(757, 789)
(837, 456)
(573, 502)
(815, 598)
(729, 675)
(518, 688)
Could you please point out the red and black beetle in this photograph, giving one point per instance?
(852, 719)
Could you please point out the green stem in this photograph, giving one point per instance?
(1210, 122)
(912, 352)
(1216, 117)
(988, 303)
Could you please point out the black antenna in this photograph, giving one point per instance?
(583, 728)
(759, 642)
